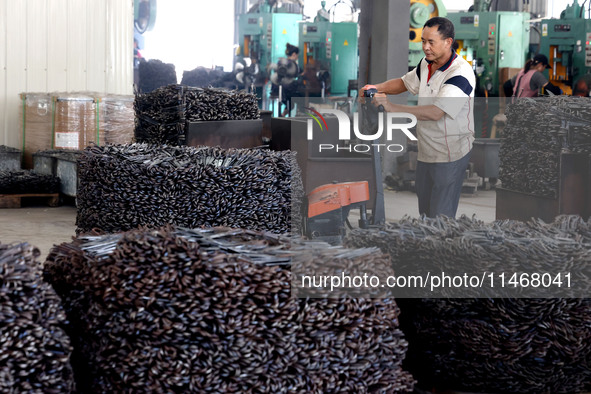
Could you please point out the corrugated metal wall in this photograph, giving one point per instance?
(65, 46)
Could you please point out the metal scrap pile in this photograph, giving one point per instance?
(161, 114)
(34, 349)
(122, 187)
(24, 181)
(176, 310)
(536, 132)
(488, 344)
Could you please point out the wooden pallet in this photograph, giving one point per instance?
(14, 200)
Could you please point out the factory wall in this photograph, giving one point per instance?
(65, 46)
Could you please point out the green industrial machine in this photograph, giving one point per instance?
(491, 41)
(567, 43)
(331, 49)
(496, 44)
(420, 12)
(262, 35)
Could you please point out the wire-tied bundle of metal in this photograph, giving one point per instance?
(25, 181)
(34, 349)
(220, 104)
(494, 344)
(161, 115)
(122, 187)
(537, 131)
(177, 310)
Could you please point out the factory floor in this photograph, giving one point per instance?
(44, 226)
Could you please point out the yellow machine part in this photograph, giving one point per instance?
(461, 49)
(559, 77)
(419, 30)
(246, 47)
(306, 55)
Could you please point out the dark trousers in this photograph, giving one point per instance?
(439, 186)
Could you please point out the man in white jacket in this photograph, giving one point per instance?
(444, 83)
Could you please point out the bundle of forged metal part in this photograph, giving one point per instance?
(221, 104)
(24, 181)
(493, 344)
(34, 349)
(154, 74)
(202, 77)
(161, 114)
(122, 187)
(537, 131)
(177, 310)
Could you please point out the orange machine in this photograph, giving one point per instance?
(329, 207)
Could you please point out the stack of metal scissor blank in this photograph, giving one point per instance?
(178, 310)
(122, 187)
(478, 339)
(34, 348)
(537, 132)
(161, 115)
(27, 182)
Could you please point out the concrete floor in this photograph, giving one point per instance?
(41, 226)
(45, 227)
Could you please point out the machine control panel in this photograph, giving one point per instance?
(561, 27)
(269, 36)
(588, 50)
(492, 33)
(328, 44)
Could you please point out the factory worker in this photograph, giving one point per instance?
(530, 81)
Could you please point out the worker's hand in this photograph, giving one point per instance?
(381, 99)
(361, 94)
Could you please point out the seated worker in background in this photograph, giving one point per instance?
(583, 87)
(310, 85)
(530, 81)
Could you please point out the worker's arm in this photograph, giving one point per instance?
(422, 112)
(539, 80)
(508, 88)
(392, 86)
(552, 88)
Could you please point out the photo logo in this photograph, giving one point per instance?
(386, 122)
(315, 115)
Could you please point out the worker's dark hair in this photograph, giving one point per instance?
(445, 27)
(291, 49)
(528, 65)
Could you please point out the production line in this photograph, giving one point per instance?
(220, 246)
